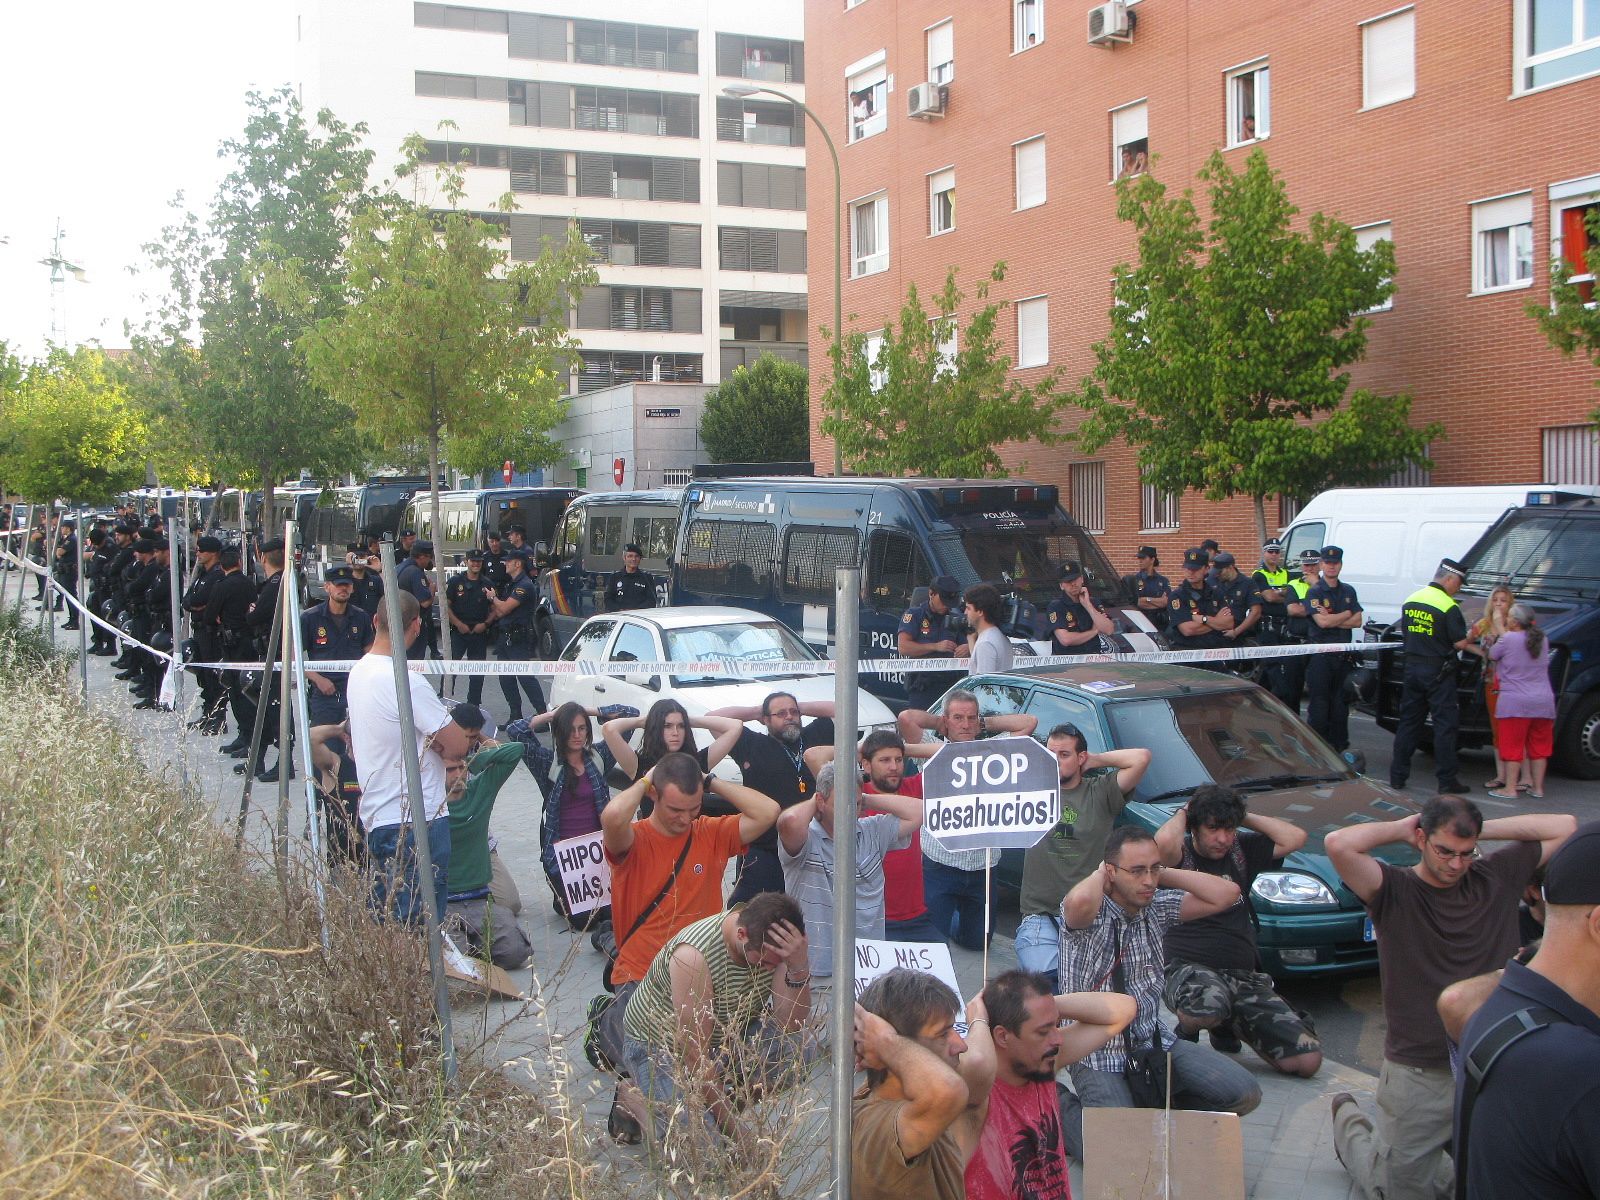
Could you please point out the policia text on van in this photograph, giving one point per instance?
(774, 543)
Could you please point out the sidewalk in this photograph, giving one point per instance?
(1288, 1140)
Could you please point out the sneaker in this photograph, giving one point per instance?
(1225, 1039)
(622, 1127)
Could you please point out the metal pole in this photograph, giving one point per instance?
(83, 620)
(47, 614)
(285, 726)
(252, 762)
(419, 818)
(846, 805)
(176, 553)
(302, 717)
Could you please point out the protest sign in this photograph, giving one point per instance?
(1000, 793)
(874, 958)
(585, 874)
(1155, 1154)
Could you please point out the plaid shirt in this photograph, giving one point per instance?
(1088, 955)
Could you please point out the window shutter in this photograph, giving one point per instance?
(524, 170)
(1130, 124)
(555, 105)
(553, 172)
(666, 179)
(594, 174)
(797, 62)
(734, 249)
(764, 249)
(941, 47)
(792, 251)
(491, 88)
(1389, 59)
(653, 250)
(594, 308)
(1033, 332)
(625, 305)
(1030, 173)
(787, 189)
(525, 236)
(757, 186)
(598, 235)
(554, 231)
(730, 54)
(683, 246)
(730, 183)
(652, 51)
(686, 310)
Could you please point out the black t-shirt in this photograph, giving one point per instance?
(768, 766)
(1225, 941)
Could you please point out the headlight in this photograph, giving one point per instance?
(1292, 887)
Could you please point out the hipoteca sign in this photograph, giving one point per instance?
(1001, 793)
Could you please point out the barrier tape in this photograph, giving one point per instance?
(746, 668)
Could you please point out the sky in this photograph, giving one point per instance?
(110, 109)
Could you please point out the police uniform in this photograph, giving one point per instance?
(928, 628)
(100, 592)
(369, 590)
(630, 589)
(413, 577)
(1433, 624)
(227, 613)
(207, 645)
(1239, 594)
(65, 569)
(1274, 613)
(157, 601)
(1289, 684)
(1150, 585)
(260, 625)
(494, 568)
(1327, 710)
(470, 601)
(1192, 602)
(326, 636)
(517, 639)
(1066, 615)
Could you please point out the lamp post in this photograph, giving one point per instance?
(740, 91)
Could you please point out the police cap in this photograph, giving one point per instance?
(945, 587)
(1209, 546)
(1333, 554)
(1452, 566)
(144, 545)
(517, 529)
(1146, 552)
(474, 555)
(160, 543)
(1070, 571)
(408, 533)
(1195, 559)
(494, 535)
(208, 545)
(1310, 557)
(271, 545)
(1222, 559)
(1272, 546)
(421, 547)
(339, 574)
(519, 554)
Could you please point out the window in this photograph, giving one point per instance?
(1412, 475)
(1288, 510)
(1030, 173)
(449, 16)
(1571, 454)
(537, 37)
(603, 368)
(942, 52)
(1502, 243)
(654, 535)
(634, 643)
(894, 567)
(945, 345)
(811, 556)
(1130, 140)
(1087, 483)
(764, 123)
(1368, 236)
(1027, 24)
(751, 57)
(1556, 40)
(729, 558)
(1574, 225)
(1157, 509)
(590, 642)
(942, 201)
(1311, 536)
(1249, 105)
(742, 249)
(1033, 332)
(871, 347)
(760, 185)
(869, 101)
(1389, 59)
(869, 236)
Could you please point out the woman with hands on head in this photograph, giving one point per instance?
(667, 730)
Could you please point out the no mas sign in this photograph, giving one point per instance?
(1002, 793)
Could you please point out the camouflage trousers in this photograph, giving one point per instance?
(1244, 999)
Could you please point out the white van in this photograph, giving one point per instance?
(1393, 538)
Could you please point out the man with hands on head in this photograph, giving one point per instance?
(1115, 920)
(918, 1120)
(1214, 976)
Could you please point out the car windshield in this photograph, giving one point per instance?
(1538, 554)
(1029, 560)
(735, 641)
(1240, 738)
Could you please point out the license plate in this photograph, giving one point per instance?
(1368, 933)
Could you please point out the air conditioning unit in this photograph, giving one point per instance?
(1110, 23)
(927, 100)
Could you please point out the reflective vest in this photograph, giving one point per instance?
(1275, 579)
(1423, 614)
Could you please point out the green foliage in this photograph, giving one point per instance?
(1224, 364)
(249, 405)
(929, 415)
(1571, 322)
(71, 432)
(759, 414)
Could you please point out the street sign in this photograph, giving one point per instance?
(505, 471)
(619, 467)
(999, 793)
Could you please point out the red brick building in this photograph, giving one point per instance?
(1466, 131)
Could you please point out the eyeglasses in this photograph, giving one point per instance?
(1456, 855)
(783, 714)
(1139, 872)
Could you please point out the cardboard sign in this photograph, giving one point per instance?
(874, 958)
(1000, 793)
(585, 873)
(482, 975)
(1151, 1154)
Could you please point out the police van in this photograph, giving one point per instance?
(773, 544)
(467, 517)
(587, 547)
(373, 508)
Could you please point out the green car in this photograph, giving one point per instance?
(1206, 727)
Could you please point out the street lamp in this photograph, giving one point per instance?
(740, 91)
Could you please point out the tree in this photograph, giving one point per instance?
(72, 432)
(441, 338)
(1223, 368)
(286, 205)
(917, 408)
(1572, 321)
(759, 414)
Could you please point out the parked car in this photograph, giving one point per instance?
(699, 634)
(1205, 727)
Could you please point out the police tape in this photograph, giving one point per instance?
(744, 667)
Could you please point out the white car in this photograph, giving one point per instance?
(698, 633)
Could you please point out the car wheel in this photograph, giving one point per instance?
(1578, 751)
(547, 641)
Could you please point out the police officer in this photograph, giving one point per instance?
(1150, 589)
(1272, 586)
(103, 550)
(1196, 616)
(413, 577)
(630, 587)
(65, 569)
(517, 641)
(157, 601)
(494, 559)
(1290, 682)
(925, 632)
(406, 540)
(332, 631)
(118, 575)
(1238, 592)
(1335, 613)
(227, 613)
(1435, 631)
(366, 579)
(517, 539)
(469, 603)
(141, 573)
(207, 642)
(1075, 622)
(260, 624)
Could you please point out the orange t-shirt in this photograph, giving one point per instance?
(637, 879)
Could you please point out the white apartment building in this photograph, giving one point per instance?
(613, 113)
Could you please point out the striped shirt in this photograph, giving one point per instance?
(961, 860)
(808, 877)
(1088, 956)
(738, 992)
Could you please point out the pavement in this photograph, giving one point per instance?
(1288, 1140)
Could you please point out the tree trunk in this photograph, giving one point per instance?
(436, 530)
(1261, 519)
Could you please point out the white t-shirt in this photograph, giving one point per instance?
(375, 740)
(992, 652)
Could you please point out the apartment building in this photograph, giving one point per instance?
(1466, 132)
(611, 113)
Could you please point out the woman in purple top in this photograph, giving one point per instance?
(1526, 712)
